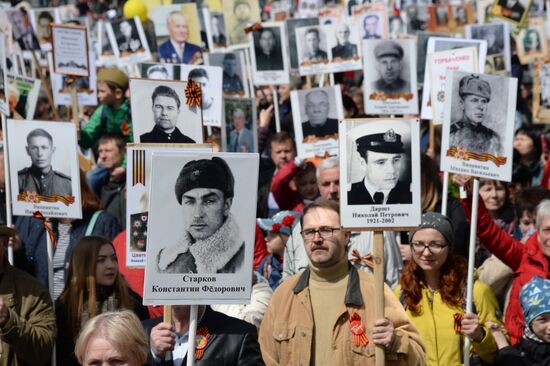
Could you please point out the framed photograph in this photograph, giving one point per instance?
(210, 253)
(314, 54)
(22, 30)
(478, 127)
(234, 72)
(532, 43)
(315, 114)
(422, 38)
(43, 164)
(345, 44)
(380, 173)
(436, 44)
(541, 94)
(269, 56)
(161, 114)
(331, 14)
(291, 25)
(41, 19)
(397, 27)
(128, 41)
(86, 85)
(416, 17)
(209, 78)
(4, 106)
(239, 130)
(463, 59)
(160, 71)
(450, 17)
(497, 35)
(106, 55)
(390, 77)
(309, 8)
(70, 49)
(371, 20)
(239, 14)
(181, 24)
(215, 29)
(138, 178)
(22, 95)
(515, 12)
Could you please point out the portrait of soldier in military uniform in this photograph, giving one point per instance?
(212, 240)
(382, 156)
(471, 131)
(40, 177)
(390, 64)
(310, 47)
(344, 49)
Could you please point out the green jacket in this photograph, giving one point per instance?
(29, 335)
(118, 121)
(444, 347)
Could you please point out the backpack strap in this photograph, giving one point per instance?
(104, 119)
(92, 222)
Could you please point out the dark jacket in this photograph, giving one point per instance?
(113, 199)
(232, 341)
(267, 168)
(33, 237)
(32, 180)
(400, 194)
(525, 353)
(168, 54)
(329, 128)
(65, 342)
(157, 135)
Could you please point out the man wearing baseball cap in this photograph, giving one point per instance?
(470, 132)
(212, 241)
(389, 63)
(382, 155)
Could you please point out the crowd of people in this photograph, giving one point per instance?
(312, 300)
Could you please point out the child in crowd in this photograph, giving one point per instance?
(295, 185)
(534, 348)
(279, 229)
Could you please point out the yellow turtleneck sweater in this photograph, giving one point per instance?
(327, 288)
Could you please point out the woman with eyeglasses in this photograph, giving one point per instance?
(433, 292)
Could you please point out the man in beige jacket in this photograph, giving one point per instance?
(325, 315)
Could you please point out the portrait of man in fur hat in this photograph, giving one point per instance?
(212, 241)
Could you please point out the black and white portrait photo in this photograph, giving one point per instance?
(161, 113)
(269, 56)
(390, 77)
(160, 71)
(238, 14)
(233, 76)
(478, 124)
(373, 25)
(313, 50)
(210, 196)
(22, 30)
(344, 42)
(416, 17)
(215, 30)
(378, 161)
(315, 115)
(514, 11)
(291, 25)
(396, 26)
(541, 95)
(41, 19)
(498, 43)
(531, 42)
(436, 44)
(239, 132)
(44, 168)
(128, 41)
(209, 79)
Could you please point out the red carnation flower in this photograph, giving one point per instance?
(288, 220)
(276, 228)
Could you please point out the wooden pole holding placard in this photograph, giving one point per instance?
(276, 108)
(46, 87)
(74, 106)
(378, 259)
(192, 335)
(167, 318)
(7, 182)
(471, 260)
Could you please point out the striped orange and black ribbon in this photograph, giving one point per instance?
(33, 197)
(463, 154)
(138, 174)
(47, 225)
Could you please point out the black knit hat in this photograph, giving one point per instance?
(205, 173)
(439, 222)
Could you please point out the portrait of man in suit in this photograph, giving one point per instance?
(312, 46)
(382, 156)
(317, 107)
(241, 138)
(176, 49)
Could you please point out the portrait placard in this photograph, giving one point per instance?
(215, 29)
(515, 12)
(70, 49)
(291, 25)
(239, 130)
(128, 41)
(238, 14)
(22, 95)
(106, 55)
(315, 114)
(4, 106)
(22, 30)
(41, 18)
(86, 86)
(416, 17)
(160, 113)
(43, 168)
(159, 71)
(371, 20)
(209, 78)
(541, 94)
(463, 59)
(380, 173)
(499, 60)
(208, 257)
(138, 181)
(422, 46)
(436, 44)
(450, 17)
(345, 44)
(314, 54)
(532, 43)
(478, 126)
(269, 54)
(234, 72)
(390, 77)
